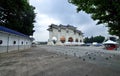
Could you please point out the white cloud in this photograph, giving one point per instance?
(41, 26)
(62, 12)
(91, 30)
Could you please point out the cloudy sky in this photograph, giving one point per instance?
(62, 12)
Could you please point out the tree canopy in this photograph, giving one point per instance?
(98, 39)
(105, 11)
(17, 15)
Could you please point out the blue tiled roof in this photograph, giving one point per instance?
(4, 29)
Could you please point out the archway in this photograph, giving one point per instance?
(54, 39)
(80, 40)
(76, 40)
(70, 39)
(62, 39)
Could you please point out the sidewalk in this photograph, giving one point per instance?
(39, 61)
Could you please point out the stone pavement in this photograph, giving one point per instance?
(47, 61)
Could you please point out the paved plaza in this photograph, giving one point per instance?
(61, 61)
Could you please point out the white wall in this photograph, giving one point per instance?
(8, 42)
(3, 37)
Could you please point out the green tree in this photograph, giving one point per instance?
(17, 15)
(98, 39)
(86, 40)
(105, 11)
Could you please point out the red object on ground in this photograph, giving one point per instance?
(111, 47)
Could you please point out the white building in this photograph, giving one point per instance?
(64, 34)
(11, 40)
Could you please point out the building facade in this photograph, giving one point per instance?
(61, 34)
(11, 40)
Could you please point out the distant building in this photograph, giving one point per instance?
(11, 40)
(59, 34)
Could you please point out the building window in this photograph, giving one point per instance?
(1, 41)
(80, 40)
(76, 40)
(14, 42)
(59, 30)
(22, 42)
(67, 31)
(74, 32)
